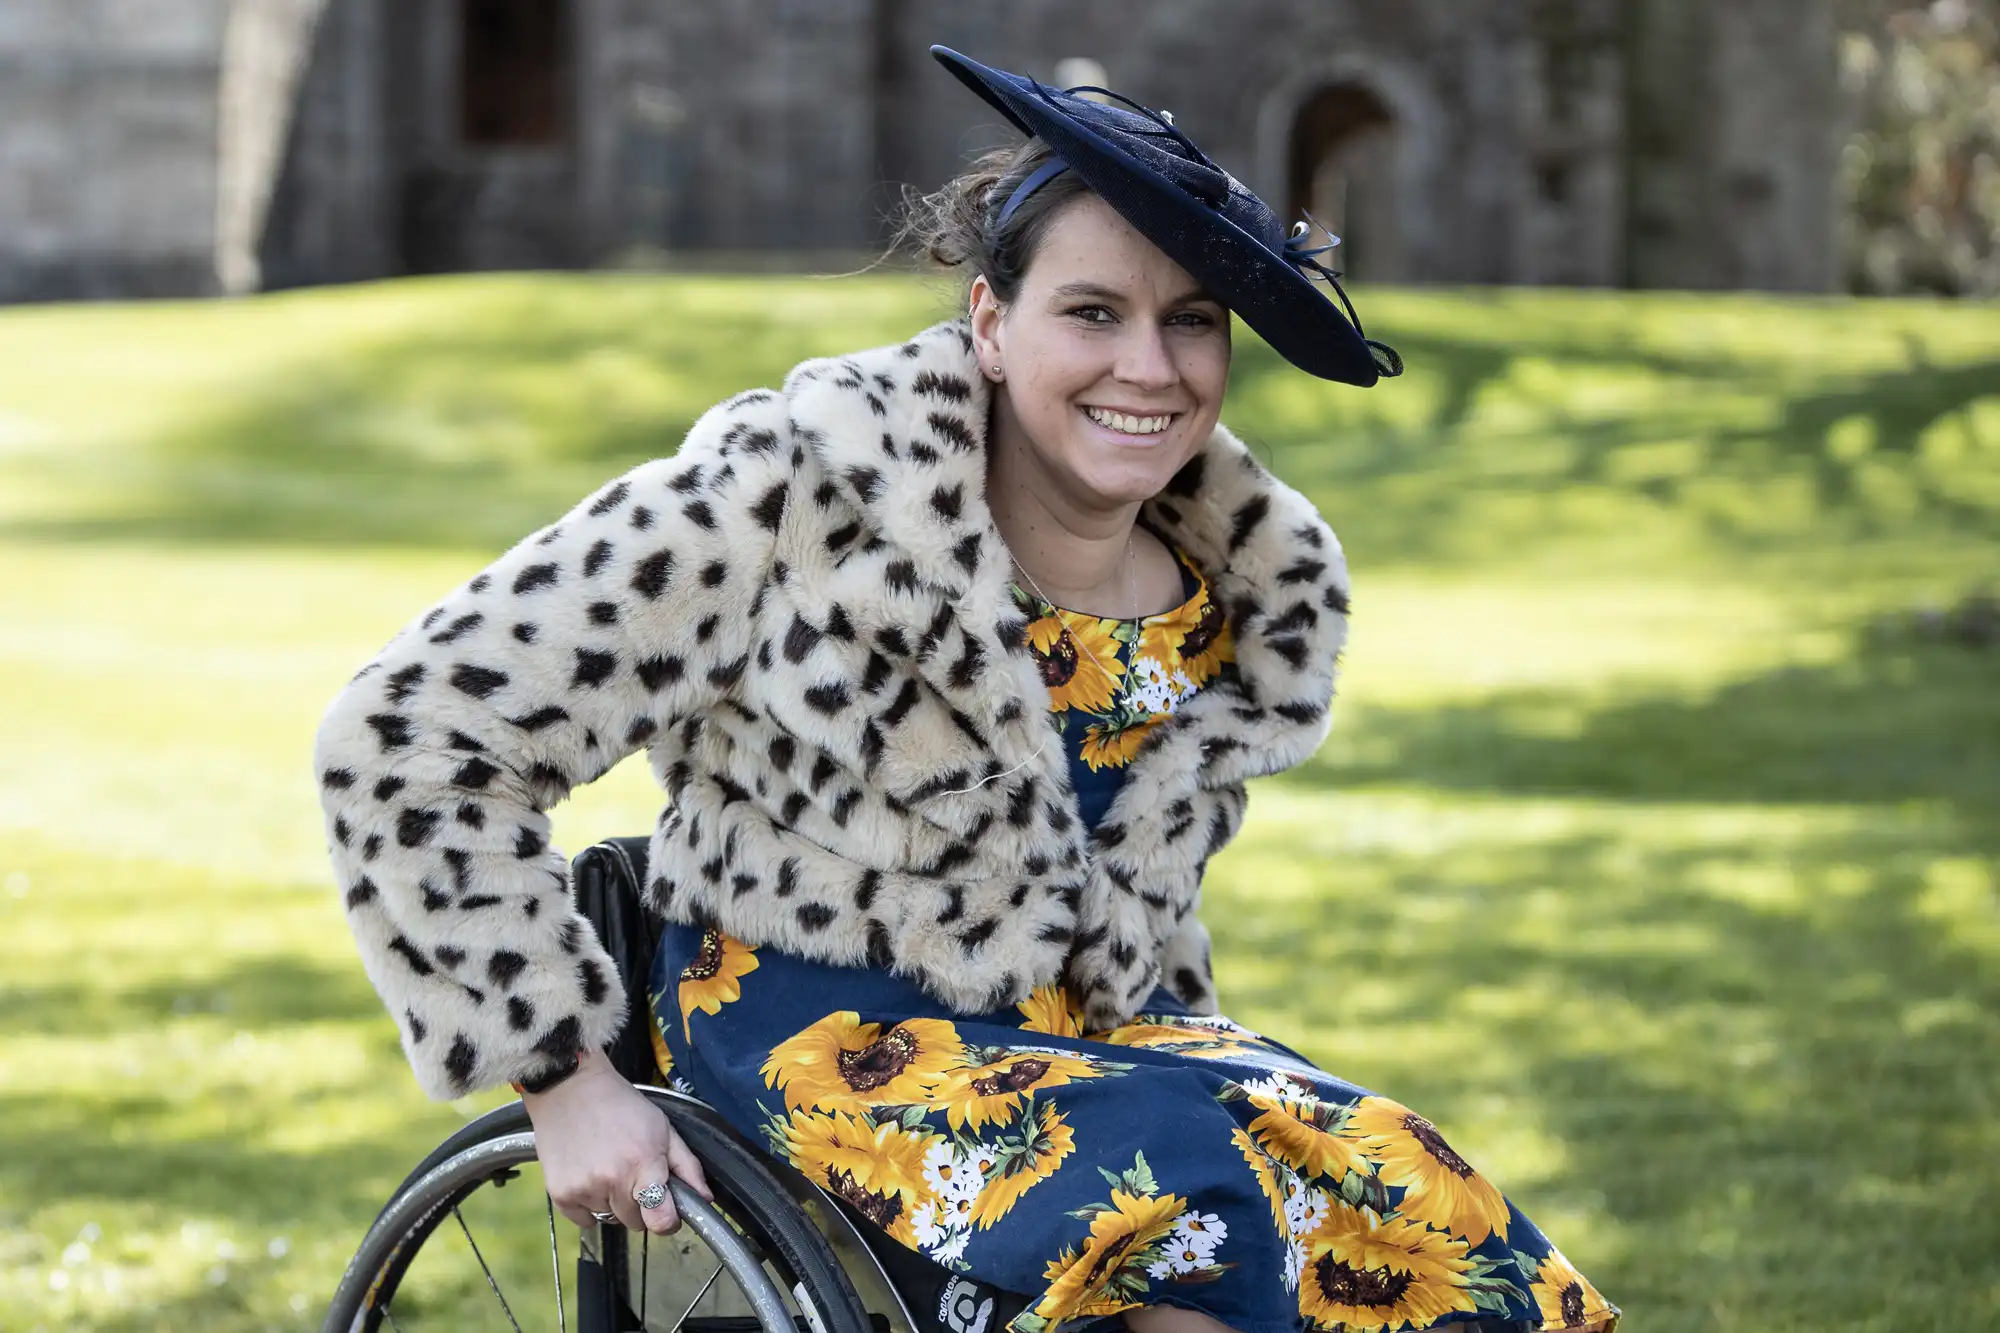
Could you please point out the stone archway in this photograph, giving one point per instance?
(1340, 168)
(1366, 126)
(515, 72)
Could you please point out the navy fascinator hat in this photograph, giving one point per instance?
(1203, 218)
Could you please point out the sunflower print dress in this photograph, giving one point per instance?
(1176, 1159)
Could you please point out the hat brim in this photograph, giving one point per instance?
(1264, 288)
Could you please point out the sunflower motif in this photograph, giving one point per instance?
(1440, 1187)
(1202, 1042)
(843, 1064)
(1565, 1295)
(1046, 1142)
(663, 1059)
(1365, 1273)
(1117, 1234)
(1303, 1132)
(1108, 745)
(1050, 1010)
(1195, 635)
(978, 1095)
(710, 979)
(877, 1168)
(1266, 1171)
(1078, 655)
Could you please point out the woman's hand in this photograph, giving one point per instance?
(601, 1142)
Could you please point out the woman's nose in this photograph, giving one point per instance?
(1145, 361)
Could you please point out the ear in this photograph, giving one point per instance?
(985, 316)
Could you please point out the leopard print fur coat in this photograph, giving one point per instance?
(804, 617)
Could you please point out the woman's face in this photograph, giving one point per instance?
(1112, 359)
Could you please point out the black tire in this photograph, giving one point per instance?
(491, 1150)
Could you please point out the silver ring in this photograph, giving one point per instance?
(604, 1217)
(651, 1196)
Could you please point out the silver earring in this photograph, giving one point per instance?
(996, 372)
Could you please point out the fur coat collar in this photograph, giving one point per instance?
(900, 431)
(1268, 556)
(804, 617)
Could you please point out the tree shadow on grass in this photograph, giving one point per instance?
(486, 417)
(1893, 722)
(138, 1160)
(1766, 1059)
(1737, 957)
(490, 417)
(254, 995)
(1747, 457)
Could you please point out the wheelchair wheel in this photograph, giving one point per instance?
(470, 1240)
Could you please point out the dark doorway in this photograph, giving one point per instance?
(1341, 169)
(514, 72)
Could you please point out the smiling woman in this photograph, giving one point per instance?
(1114, 362)
(930, 875)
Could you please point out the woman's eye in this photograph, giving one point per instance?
(1194, 319)
(1088, 314)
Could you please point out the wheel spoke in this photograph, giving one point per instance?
(555, 1263)
(645, 1253)
(497, 1293)
(697, 1298)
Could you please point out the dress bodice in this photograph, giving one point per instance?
(1111, 680)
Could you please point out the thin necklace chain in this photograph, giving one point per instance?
(1131, 598)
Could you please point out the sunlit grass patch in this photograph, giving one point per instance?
(1636, 859)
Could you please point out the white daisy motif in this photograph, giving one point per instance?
(1203, 1231)
(924, 1222)
(1296, 1201)
(953, 1247)
(950, 1174)
(1295, 1264)
(1314, 1211)
(1154, 688)
(1266, 1087)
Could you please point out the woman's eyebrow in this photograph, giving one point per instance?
(1100, 292)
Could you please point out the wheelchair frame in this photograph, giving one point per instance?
(841, 1284)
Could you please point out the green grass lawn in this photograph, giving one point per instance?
(1642, 858)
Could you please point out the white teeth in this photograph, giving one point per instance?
(1129, 424)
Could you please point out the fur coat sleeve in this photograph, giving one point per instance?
(803, 617)
(437, 762)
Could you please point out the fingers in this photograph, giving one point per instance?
(580, 1216)
(688, 1167)
(666, 1217)
(619, 1200)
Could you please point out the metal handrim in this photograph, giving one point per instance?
(447, 1184)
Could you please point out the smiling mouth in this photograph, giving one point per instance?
(1127, 424)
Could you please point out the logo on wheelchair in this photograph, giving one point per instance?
(964, 1306)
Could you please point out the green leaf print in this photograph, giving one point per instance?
(1488, 1282)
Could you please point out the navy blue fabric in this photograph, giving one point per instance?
(1175, 1102)
(1097, 787)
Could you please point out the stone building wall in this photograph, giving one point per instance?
(1685, 143)
(108, 146)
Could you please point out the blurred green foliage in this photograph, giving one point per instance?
(1921, 172)
(1637, 859)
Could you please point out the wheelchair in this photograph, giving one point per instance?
(470, 1240)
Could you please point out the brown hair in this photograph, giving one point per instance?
(956, 224)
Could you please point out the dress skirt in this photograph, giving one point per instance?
(1174, 1160)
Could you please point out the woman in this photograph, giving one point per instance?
(954, 657)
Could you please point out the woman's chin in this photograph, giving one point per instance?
(1128, 485)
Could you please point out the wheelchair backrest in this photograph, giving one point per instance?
(607, 882)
